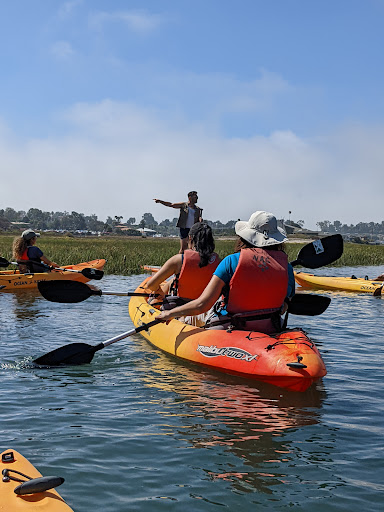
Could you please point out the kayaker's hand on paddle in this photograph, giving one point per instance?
(165, 316)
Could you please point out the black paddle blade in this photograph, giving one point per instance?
(4, 262)
(74, 353)
(308, 304)
(92, 273)
(320, 252)
(65, 291)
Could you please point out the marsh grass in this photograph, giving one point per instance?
(126, 255)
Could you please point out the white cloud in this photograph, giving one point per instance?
(62, 50)
(117, 158)
(140, 21)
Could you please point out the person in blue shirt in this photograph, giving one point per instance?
(255, 283)
(24, 249)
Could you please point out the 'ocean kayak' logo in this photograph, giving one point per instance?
(233, 352)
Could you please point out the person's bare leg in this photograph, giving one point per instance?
(183, 245)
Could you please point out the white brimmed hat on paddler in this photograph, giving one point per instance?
(28, 234)
(261, 230)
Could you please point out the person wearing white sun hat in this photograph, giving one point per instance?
(254, 283)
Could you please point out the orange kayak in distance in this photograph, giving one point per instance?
(11, 280)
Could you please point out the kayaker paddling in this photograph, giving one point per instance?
(260, 265)
(24, 249)
(193, 269)
(190, 213)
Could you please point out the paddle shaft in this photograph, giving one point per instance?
(89, 273)
(82, 353)
(6, 263)
(126, 334)
(123, 294)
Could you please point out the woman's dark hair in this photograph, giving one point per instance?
(244, 244)
(202, 239)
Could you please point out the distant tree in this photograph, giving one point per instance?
(4, 223)
(131, 221)
(142, 223)
(323, 225)
(337, 225)
(11, 214)
(149, 220)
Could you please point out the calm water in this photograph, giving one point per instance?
(138, 431)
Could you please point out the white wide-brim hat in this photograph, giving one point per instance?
(261, 230)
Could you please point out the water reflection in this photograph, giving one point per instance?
(22, 304)
(245, 419)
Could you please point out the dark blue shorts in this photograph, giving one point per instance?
(184, 232)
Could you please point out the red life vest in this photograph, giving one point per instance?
(192, 278)
(259, 284)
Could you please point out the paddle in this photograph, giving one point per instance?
(308, 304)
(74, 291)
(82, 353)
(378, 291)
(320, 252)
(89, 273)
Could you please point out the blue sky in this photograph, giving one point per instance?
(277, 106)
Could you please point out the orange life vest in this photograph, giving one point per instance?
(192, 278)
(24, 256)
(259, 285)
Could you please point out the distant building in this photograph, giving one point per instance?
(146, 231)
(291, 228)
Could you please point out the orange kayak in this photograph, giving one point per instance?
(11, 280)
(288, 359)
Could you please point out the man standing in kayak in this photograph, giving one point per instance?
(190, 213)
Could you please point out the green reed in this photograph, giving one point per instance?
(126, 255)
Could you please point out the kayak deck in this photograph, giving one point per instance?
(49, 500)
(350, 284)
(288, 359)
(12, 280)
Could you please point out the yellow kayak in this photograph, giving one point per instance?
(12, 497)
(349, 284)
(11, 280)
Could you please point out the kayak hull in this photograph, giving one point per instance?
(272, 359)
(11, 280)
(50, 500)
(348, 284)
